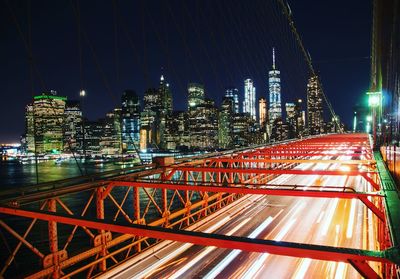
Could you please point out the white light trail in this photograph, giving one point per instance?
(340, 271)
(255, 267)
(178, 251)
(232, 255)
(350, 224)
(205, 252)
(320, 216)
(301, 272)
(328, 220)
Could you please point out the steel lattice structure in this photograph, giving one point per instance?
(111, 220)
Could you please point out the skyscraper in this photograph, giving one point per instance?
(110, 140)
(300, 118)
(203, 125)
(233, 92)
(130, 116)
(225, 122)
(72, 126)
(195, 95)
(249, 103)
(262, 110)
(291, 119)
(45, 122)
(166, 96)
(152, 119)
(275, 109)
(314, 106)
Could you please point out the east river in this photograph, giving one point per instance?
(15, 174)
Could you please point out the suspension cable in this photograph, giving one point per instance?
(307, 57)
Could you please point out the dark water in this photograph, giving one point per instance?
(14, 174)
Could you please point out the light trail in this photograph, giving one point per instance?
(301, 272)
(205, 252)
(232, 255)
(350, 225)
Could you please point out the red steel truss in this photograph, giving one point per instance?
(121, 216)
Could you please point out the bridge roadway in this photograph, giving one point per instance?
(333, 222)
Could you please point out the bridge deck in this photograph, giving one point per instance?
(260, 193)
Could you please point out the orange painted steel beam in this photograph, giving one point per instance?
(343, 162)
(275, 171)
(301, 191)
(317, 252)
(364, 174)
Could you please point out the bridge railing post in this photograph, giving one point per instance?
(136, 212)
(101, 238)
(53, 240)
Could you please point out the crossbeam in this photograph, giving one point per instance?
(300, 161)
(261, 189)
(364, 174)
(282, 248)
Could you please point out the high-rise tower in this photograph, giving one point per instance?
(249, 103)
(195, 95)
(130, 116)
(275, 108)
(314, 106)
(233, 92)
(262, 111)
(166, 96)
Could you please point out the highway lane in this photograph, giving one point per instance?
(331, 222)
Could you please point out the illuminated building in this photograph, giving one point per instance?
(291, 119)
(275, 109)
(110, 141)
(300, 116)
(262, 111)
(233, 92)
(72, 126)
(28, 142)
(280, 130)
(166, 96)
(195, 95)
(45, 123)
(225, 122)
(93, 134)
(130, 118)
(153, 119)
(314, 107)
(152, 100)
(242, 123)
(249, 103)
(147, 129)
(176, 131)
(203, 126)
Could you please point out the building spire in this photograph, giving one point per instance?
(273, 58)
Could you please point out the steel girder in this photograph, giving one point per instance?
(356, 257)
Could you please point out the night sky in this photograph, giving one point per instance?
(129, 44)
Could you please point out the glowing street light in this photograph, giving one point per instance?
(82, 93)
(375, 103)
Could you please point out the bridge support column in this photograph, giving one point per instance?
(164, 199)
(187, 199)
(53, 240)
(100, 215)
(136, 212)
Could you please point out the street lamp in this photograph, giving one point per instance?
(374, 102)
(82, 94)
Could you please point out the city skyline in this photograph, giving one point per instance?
(59, 66)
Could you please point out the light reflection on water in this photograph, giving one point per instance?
(13, 173)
